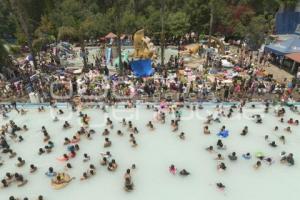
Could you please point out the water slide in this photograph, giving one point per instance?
(108, 55)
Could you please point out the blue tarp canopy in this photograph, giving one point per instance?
(284, 47)
(142, 68)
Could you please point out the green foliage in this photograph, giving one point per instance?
(15, 49)
(67, 33)
(177, 23)
(47, 20)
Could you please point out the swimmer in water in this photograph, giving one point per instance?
(184, 173)
(67, 141)
(172, 169)
(86, 157)
(288, 129)
(120, 133)
(66, 125)
(21, 162)
(150, 125)
(104, 161)
(273, 144)
(247, 156)
(276, 128)
(25, 128)
(221, 167)
(220, 186)
(46, 136)
(220, 145)
(257, 165)
(282, 139)
(245, 131)
(182, 136)
(107, 143)
(210, 149)
(112, 166)
(206, 130)
(219, 157)
(33, 168)
(232, 156)
(134, 143)
(105, 132)
(41, 151)
(68, 166)
(135, 130)
(175, 127)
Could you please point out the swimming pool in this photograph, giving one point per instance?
(155, 152)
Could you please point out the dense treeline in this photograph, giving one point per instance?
(42, 21)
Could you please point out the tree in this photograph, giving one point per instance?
(23, 20)
(177, 23)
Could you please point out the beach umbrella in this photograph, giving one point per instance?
(110, 35)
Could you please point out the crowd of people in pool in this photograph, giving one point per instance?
(11, 132)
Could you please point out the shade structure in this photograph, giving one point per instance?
(284, 47)
(294, 56)
(110, 35)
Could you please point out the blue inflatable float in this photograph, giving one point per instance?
(223, 134)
